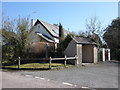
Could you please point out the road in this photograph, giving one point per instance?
(13, 80)
(102, 75)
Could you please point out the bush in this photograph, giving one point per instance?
(63, 45)
(7, 53)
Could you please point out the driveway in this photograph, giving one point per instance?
(102, 75)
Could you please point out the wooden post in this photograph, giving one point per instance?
(76, 60)
(50, 62)
(65, 61)
(19, 63)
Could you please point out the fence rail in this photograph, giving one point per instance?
(48, 59)
(26, 59)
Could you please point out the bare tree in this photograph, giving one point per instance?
(94, 30)
(94, 26)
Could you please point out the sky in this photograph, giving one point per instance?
(72, 15)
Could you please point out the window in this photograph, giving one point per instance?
(55, 31)
(38, 26)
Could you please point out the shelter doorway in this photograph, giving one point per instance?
(87, 54)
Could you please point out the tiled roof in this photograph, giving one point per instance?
(53, 29)
(83, 40)
(49, 40)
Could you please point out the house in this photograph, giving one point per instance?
(47, 31)
(84, 48)
(48, 35)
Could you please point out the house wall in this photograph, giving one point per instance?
(87, 54)
(42, 30)
(56, 40)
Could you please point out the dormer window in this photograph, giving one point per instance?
(55, 31)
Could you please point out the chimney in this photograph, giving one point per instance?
(55, 24)
(32, 22)
(61, 33)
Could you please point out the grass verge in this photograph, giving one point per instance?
(39, 65)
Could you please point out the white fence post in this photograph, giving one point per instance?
(50, 62)
(103, 54)
(108, 54)
(76, 60)
(65, 61)
(18, 62)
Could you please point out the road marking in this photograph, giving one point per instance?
(27, 75)
(42, 78)
(84, 87)
(75, 85)
(37, 77)
(48, 80)
(67, 84)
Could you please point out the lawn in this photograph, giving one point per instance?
(39, 65)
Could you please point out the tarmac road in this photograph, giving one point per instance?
(102, 75)
(13, 80)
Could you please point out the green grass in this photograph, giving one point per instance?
(39, 65)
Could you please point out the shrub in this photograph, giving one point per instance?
(63, 45)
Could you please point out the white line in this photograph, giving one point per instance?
(42, 78)
(48, 80)
(75, 85)
(84, 87)
(37, 77)
(27, 75)
(67, 83)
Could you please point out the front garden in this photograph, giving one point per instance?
(36, 66)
